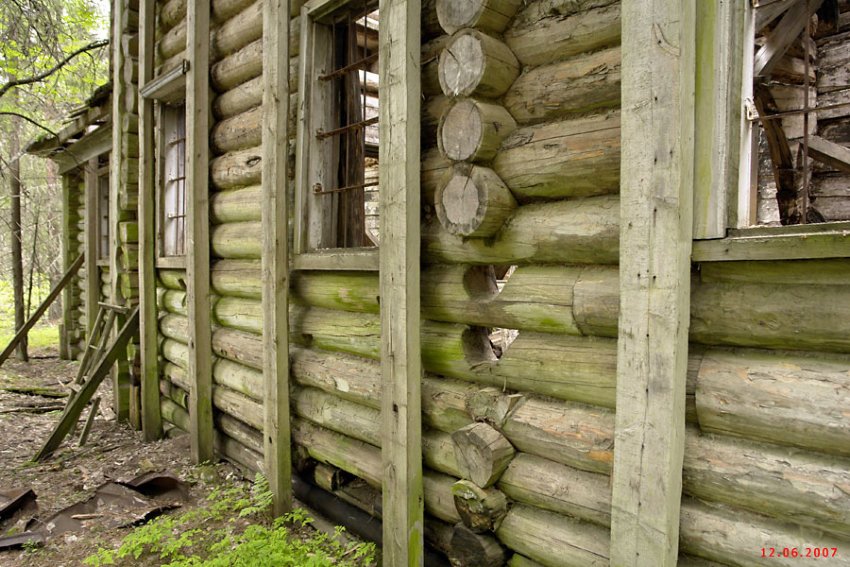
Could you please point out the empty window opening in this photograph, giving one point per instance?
(173, 211)
(500, 338)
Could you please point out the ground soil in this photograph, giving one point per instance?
(113, 452)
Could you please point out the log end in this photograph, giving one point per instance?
(482, 453)
(473, 202)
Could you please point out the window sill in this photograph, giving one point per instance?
(171, 263)
(827, 240)
(346, 259)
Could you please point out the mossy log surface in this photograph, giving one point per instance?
(481, 509)
(584, 83)
(585, 231)
(237, 240)
(575, 157)
(237, 278)
(798, 317)
(233, 170)
(550, 30)
(347, 291)
(238, 132)
(243, 408)
(238, 205)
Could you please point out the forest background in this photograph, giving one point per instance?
(53, 55)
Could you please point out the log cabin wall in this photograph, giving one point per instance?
(74, 308)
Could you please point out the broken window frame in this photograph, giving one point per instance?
(319, 240)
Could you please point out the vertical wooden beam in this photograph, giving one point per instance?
(275, 256)
(401, 364)
(151, 415)
(719, 72)
(67, 294)
(656, 217)
(197, 226)
(91, 247)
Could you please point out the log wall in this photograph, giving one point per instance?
(75, 312)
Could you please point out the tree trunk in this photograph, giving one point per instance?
(17, 243)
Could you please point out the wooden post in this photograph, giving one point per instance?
(656, 217)
(67, 295)
(198, 229)
(92, 292)
(401, 364)
(275, 258)
(151, 413)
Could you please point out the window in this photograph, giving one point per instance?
(172, 186)
(103, 217)
(796, 160)
(337, 161)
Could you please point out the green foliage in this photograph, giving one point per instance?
(186, 540)
(42, 335)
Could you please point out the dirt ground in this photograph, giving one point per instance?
(113, 452)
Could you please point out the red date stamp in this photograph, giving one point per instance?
(801, 552)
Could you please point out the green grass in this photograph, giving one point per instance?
(44, 334)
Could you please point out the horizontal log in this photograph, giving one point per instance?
(240, 314)
(239, 378)
(238, 132)
(788, 399)
(237, 240)
(237, 169)
(473, 549)
(488, 15)
(240, 98)
(242, 66)
(581, 84)
(431, 51)
(799, 272)
(239, 431)
(482, 453)
(570, 158)
(238, 205)
(553, 539)
(243, 28)
(170, 14)
(799, 317)
(473, 202)
(239, 406)
(809, 489)
(228, 447)
(473, 130)
(539, 482)
(175, 327)
(238, 346)
(174, 301)
(476, 65)
(347, 291)
(434, 169)
(544, 31)
(173, 41)
(174, 414)
(172, 279)
(481, 509)
(237, 278)
(554, 299)
(582, 231)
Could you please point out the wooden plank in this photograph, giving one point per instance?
(655, 246)
(782, 246)
(151, 413)
(785, 33)
(830, 153)
(718, 131)
(338, 259)
(401, 361)
(89, 146)
(275, 255)
(76, 405)
(198, 232)
(51, 297)
(92, 274)
(67, 322)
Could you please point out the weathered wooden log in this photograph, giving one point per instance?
(535, 298)
(238, 346)
(545, 484)
(431, 51)
(237, 169)
(172, 279)
(487, 15)
(131, 71)
(476, 64)
(177, 395)
(584, 231)
(550, 30)
(228, 447)
(570, 158)
(237, 240)
(808, 488)
(237, 32)
(472, 549)
(237, 278)
(240, 314)
(236, 405)
(788, 399)
(799, 317)
(434, 171)
(238, 205)
(438, 452)
(174, 301)
(177, 375)
(239, 378)
(175, 327)
(239, 99)
(238, 132)
(481, 509)
(170, 14)
(175, 352)
(473, 202)
(491, 405)
(798, 272)
(518, 560)
(473, 130)
(239, 431)
(238, 68)
(554, 540)
(347, 291)
(439, 502)
(572, 434)
(174, 414)
(482, 453)
(173, 41)
(581, 84)
(734, 537)
(223, 10)
(338, 331)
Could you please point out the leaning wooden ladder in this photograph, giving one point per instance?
(97, 360)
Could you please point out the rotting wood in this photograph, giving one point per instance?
(471, 549)
(481, 509)
(482, 452)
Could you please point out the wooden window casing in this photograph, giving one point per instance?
(103, 223)
(171, 185)
(337, 149)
